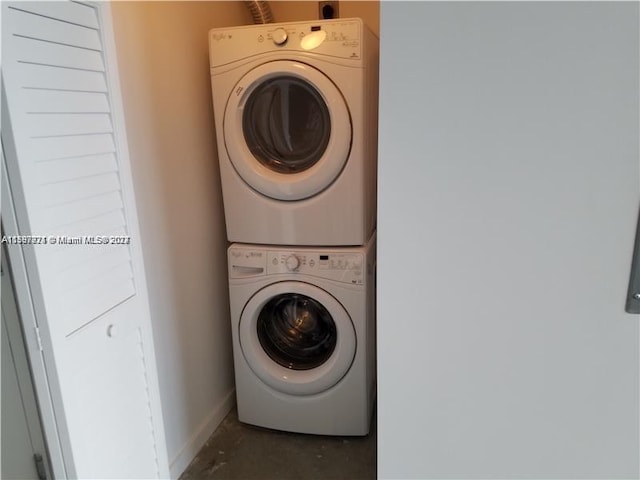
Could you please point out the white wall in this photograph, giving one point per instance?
(508, 199)
(163, 60)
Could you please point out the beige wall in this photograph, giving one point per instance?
(291, 11)
(163, 60)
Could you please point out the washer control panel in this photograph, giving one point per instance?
(342, 267)
(346, 267)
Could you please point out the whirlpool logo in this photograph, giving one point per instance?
(221, 36)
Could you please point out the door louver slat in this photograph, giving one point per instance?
(52, 30)
(98, 225)
(65, 215)
(55, 55)
(68, 12)
(52, 125)
(77, 167)
(46, 149)
(76, 190)
(67, 258)
(57, 101)
(44, 76)
(76, 276)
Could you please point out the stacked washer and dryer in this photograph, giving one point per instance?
(295, 109)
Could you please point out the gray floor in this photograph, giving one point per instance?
(237, 451)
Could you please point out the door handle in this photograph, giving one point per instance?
(633, 294)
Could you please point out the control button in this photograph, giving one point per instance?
(279, 36)
(274, 261)
(260, 38)
(312, 263)
(292, 263)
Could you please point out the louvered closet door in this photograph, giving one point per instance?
(70, 179)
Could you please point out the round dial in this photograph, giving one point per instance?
(279, 36)
(292, 263)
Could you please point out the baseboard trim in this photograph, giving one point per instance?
(188, 452)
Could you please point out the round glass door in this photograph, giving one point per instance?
(296, 331)
(297, 338)
(287, 130)
(286, 124)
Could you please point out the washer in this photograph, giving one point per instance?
(295, 109)
(303, 323)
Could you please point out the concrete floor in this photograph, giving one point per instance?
(237, 451)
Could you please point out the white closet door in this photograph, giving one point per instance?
(68, 170)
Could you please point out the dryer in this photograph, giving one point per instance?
(303, 323)
(295, 108)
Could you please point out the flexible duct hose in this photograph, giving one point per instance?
(260, 11)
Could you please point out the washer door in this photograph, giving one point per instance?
(287, 130)
(297, 338)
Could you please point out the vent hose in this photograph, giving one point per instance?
(260, 11)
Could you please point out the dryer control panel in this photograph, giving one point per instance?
(345, 267)
(339, 38)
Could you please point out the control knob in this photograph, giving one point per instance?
(292, 263)
(279, 36)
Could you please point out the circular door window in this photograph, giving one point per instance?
(286, 124)
(287, 130)
(297, 338)
(296, 331)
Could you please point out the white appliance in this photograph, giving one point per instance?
(296, 122)
(303, 323)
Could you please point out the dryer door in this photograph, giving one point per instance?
(297, 338)
(287, 130)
